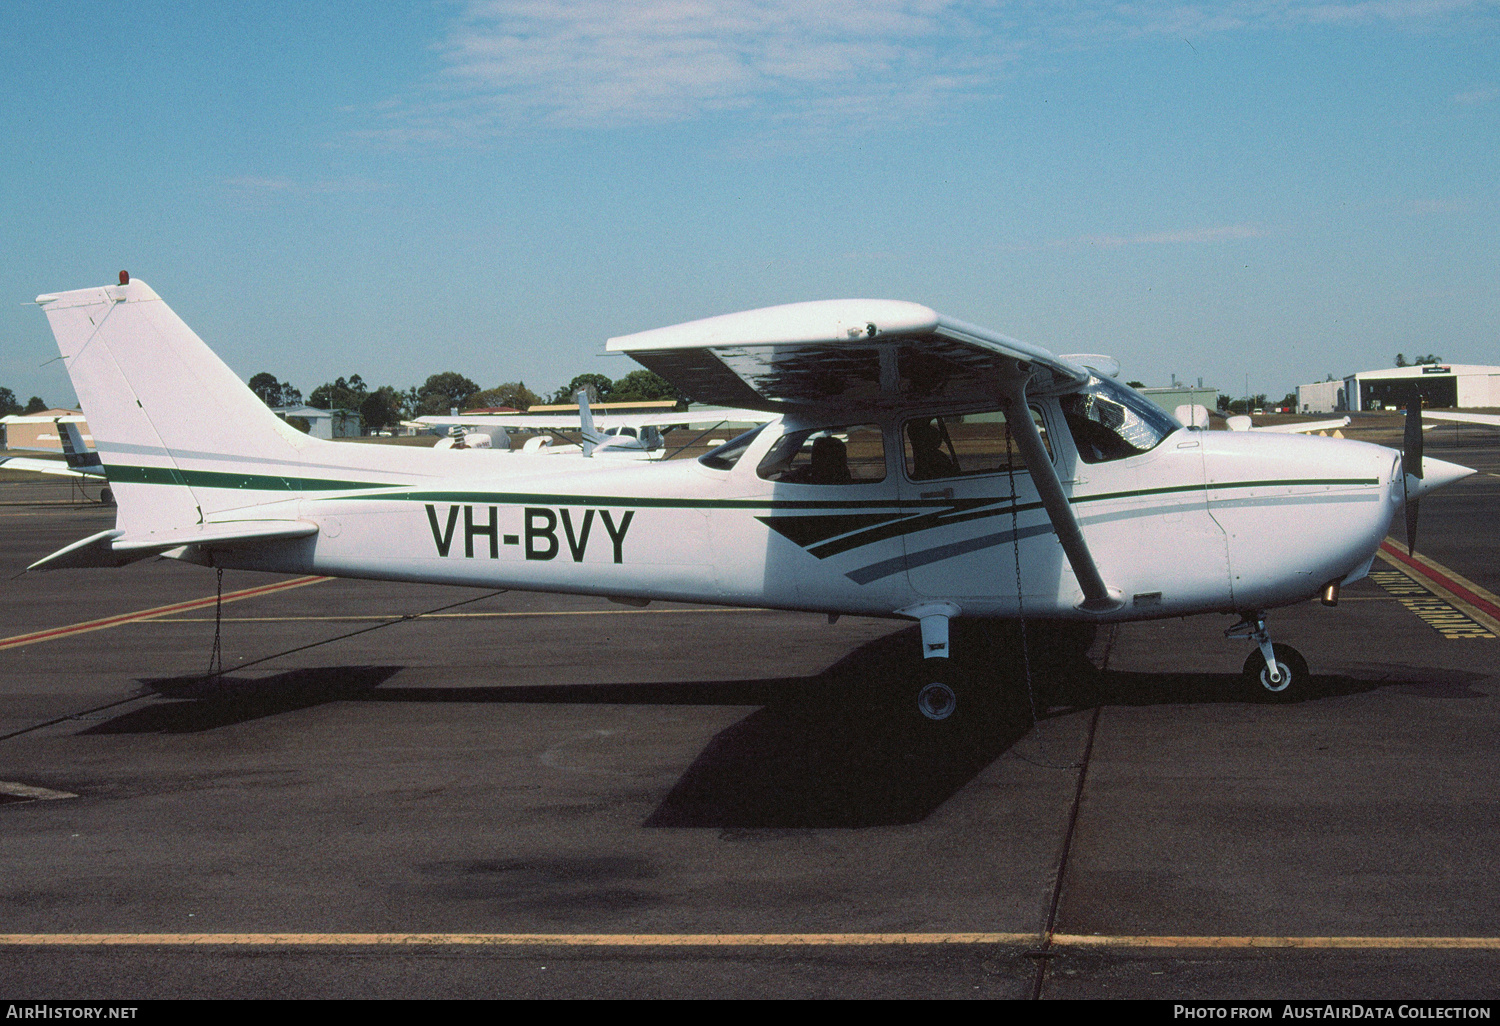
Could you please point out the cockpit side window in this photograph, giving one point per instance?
(836, 455)
(958, 445)
(728, 454)
(1111, 422)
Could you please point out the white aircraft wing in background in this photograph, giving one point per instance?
(1488, 419)
(1297, 429)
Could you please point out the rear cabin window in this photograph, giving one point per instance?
(1111, 422)
(838, 455)
(958, 446)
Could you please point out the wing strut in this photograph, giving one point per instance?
(1013, 378)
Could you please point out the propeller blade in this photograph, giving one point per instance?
(1411, 464)
(1411, 449)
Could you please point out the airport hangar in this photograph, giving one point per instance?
(38, 430)
(1443, 385)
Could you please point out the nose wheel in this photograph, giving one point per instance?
(1279, 669)
(1290, 666)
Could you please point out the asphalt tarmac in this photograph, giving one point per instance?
(698, 802)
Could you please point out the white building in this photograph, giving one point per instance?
(328, 424)
(1442, 386)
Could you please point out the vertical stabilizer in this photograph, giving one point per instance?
(591, 438)
(171, 422)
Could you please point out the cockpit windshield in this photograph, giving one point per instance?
(728, 454)
(1111, 422)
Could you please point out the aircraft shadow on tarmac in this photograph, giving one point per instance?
(841, 748)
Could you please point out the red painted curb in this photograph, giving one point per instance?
(1446, 581)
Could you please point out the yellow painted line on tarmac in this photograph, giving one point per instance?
(732, 940)
(149, 614)
(1079, 940)
(522, 940)
(460, 616)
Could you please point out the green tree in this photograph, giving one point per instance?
(273, 392)
(1418, 361)
(514, 394)
(1136, 384)
(8, 404)
(382, 408)
(443, 392)
(340, 394)
(36, 404)
(642, 386)
(599, 387)
(1401, 360)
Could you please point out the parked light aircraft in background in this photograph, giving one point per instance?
(629, 435)
(79, 461)
(914, 466)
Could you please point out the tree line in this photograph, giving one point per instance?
(9, 404)
(385, 407)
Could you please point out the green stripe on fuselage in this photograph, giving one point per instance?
(381, 492)
(119, 474)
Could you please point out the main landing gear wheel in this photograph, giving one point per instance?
(937, 701)
(1289, 664)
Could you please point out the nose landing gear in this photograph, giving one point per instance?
(1279, 669)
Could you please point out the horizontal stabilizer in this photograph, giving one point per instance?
(116, 548)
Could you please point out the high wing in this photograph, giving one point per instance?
(852, 354)
(1488, 419)
(842, 352)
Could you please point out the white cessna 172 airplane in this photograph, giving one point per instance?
(916, 466)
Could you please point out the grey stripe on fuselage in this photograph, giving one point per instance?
(287, 467)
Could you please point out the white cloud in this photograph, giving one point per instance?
(510, 64)
(1475, 97)
(1215, 234)
(597, 63)
(1437, 206)
(261, 186)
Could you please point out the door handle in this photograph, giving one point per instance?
(945, 493)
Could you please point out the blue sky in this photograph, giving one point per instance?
(1266, 187)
